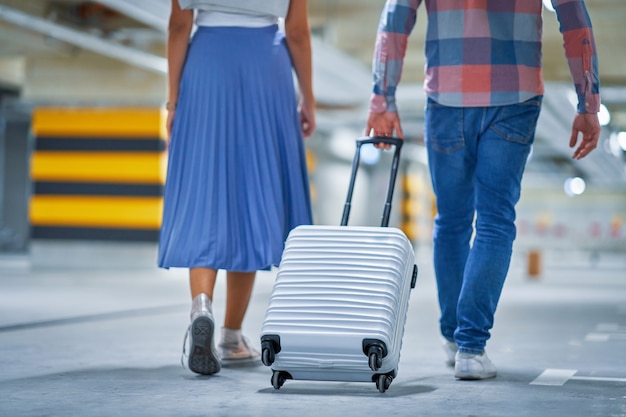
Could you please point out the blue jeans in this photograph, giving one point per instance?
(476, 157)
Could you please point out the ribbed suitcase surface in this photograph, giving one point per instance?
(339, 286)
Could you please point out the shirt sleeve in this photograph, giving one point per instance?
(581, 52)
(396, 23)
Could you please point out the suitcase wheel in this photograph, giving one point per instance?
(270, 346)
(383, 381)
(375, 361)
(375, 350)
(414, 277)
(279, 378)
(268, 356)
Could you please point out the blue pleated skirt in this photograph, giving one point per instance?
(237, 181)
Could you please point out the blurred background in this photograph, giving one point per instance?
(82, 150)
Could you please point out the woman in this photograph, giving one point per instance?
(237, 181)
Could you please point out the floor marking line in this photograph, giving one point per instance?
(554, 377)
(558, 377)
(604, 337)
(610, 328)
(597, 337)
(114, 315)
(607, 327)
(597, 378)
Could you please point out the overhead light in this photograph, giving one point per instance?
(574, 186)
(617, 143)
(342, 143)
(621, 140)
(548, 5)
(573, 98)
(604, 115)
(370, 155)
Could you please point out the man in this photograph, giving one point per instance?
(484, 85)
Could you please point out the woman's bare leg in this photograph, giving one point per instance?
(238, 291)
(202, 280)
(236, 349)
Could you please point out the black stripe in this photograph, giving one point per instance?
(94, 233)
(99, 144)
(77, 188)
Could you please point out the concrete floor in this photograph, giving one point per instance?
(96, 330)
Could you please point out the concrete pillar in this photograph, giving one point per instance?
(12, 70)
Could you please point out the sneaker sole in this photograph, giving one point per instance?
(473, 377)
(202, 357)
(243, 362)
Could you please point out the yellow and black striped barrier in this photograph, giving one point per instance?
(418, 208)
(98, 173)
(409, 207)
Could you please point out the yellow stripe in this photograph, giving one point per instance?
(411, 207)
(413, 184)
(130, 212)
(122, 123)
(311, 160)
(114, 167)
(409, 229)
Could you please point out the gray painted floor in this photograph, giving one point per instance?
(96, 330)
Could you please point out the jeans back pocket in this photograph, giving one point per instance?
(443, 127)
(517, 122)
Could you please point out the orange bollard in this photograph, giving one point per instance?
(534, 264)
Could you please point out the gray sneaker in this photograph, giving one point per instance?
(470, 366)
(203, 357)
(450, 348)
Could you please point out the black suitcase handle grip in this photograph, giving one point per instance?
(397, 142)
(392, 178)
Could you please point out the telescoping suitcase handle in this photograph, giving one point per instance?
(392, 178)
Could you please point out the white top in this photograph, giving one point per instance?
(276, 8)
(214, 18)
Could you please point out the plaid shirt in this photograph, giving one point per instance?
(483, 52)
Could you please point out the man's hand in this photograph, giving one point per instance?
(589, 126)
(384, 124)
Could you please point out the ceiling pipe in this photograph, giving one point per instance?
(128, 55)
(152, 13)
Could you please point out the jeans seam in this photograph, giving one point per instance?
(524, 141)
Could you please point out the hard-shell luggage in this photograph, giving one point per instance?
(339, 303)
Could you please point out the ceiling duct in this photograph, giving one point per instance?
(83, 40)
(149, 12)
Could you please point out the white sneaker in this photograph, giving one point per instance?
(472, 366)
(236, 350)
(450, 348)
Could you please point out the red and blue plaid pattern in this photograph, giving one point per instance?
(483, 52)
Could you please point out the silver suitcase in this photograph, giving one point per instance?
(339, 303)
